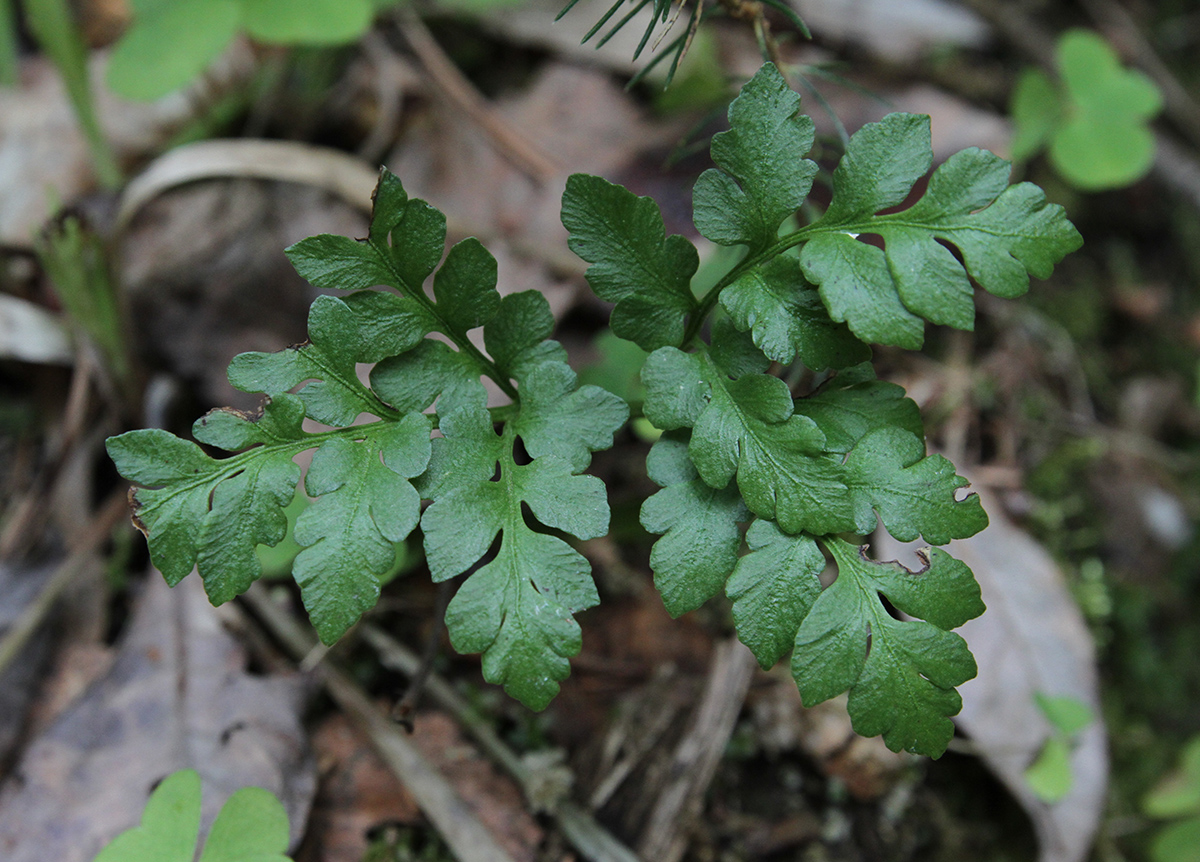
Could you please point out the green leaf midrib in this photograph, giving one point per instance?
(512, 514)
(464, 344)
(234, 464)
(870, 225)
(880, 618)
(370, 401)
(841, 552)
(764, 446)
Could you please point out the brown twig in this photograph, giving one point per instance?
(592, 840)
(453, 84)
(97, 530)
(699, 752)
(468, 839)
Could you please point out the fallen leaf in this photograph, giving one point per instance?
(29, 333)
(176, 696)
(358, 793)
(496, 799)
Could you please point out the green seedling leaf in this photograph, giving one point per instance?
(1003, 233)
(306, 22)
(901, 674)
(1178, 794)
(517, 609)
(1036, 110)
(1067, 715)
(251, 826)
(634, 263)
(9, 65)
(1049, 776)
(170, 825)
(761, 176)
(1178, 842)
(698, 550)
(170, 44)
(746, 427)
(1104, 140)
(1095, 119)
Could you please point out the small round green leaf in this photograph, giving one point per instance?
(1049, 776)
(1179, 842)
(170, 45)
(251, 827)
(169, 827)
(306, 22)
(1102, 155)
(1035, 109)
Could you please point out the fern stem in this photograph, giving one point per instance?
(486, 365)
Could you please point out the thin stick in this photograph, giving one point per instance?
(403, 710)
(592, 840)
(699, 752)
(468, 839)
(512, 145)
(93, 535)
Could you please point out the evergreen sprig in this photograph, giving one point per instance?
(760, 489)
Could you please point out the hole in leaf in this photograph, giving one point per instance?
(521, 455)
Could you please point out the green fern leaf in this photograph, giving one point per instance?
(1003, 233)
(698, 550)
(901, 674)
(761, 176)
(368, 480)
(787, 320)
(197, 510)
(773, 588)
(517, 608)
(634, 264)
(745, 427)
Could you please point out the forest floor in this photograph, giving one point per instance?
(1075, 412)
